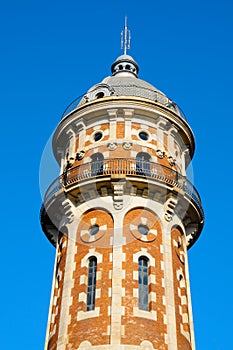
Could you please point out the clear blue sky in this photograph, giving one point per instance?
(52, 52)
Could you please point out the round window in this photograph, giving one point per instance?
(93, 230)
(98, 136)
(143, 229)
(143, 135)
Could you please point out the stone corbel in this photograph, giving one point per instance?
(162, 123)
(191, 231)
(171, 160)
(112, 113)
(80, 155)
(128, 113)
(160, 153)
(118, 192)
(169, 208)
(68, 209)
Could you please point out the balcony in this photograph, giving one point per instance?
(121, 168)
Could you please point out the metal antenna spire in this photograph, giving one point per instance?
(125, 38)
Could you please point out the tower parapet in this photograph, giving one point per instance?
(122, 215)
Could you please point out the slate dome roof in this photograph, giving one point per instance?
(125, 82)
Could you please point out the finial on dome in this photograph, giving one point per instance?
(125, 38)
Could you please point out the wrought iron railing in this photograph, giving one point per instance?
(123, 167)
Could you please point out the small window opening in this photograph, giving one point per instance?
(143, 229)
(143, 135)
(99, 95)
(143, 283)
(98, 136)
(93, 230)
(91, 287)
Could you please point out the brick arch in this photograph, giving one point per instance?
(99, 218)
(140, 216)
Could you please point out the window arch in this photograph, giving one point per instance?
(143, 163)
(143, 288)
(97, 161)
(91, 283)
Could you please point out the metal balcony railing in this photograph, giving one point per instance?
(122, 166)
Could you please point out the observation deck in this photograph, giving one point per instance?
(142, 178)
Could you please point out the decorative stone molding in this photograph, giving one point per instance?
(127, 145)
(80, 155)
(162, 123)
(179, 249)
(191, 232)
(169, 207)
(146, 345)
(171, 160)
(112, 113)
(160, 153)
(112, 146)
(118, 192)
(128, 113)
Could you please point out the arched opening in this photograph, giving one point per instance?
(143, 164)
(91, 286)
(97, 161)
(99, 94)
(143, 288)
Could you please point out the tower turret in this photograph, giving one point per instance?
(122, 215)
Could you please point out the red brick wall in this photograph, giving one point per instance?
(92, 329)
(180, 288)
(138, 329)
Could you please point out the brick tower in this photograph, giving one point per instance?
(122, 215)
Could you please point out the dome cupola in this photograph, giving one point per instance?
(125, 65)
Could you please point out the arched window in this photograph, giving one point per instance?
(143, 283)
(91, 284)
(97, 164)
(143, 164)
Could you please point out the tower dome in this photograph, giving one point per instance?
(124, 82)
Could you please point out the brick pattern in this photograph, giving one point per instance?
(117, 266)
(91, 326)
(120, 130)
(141, 325)
(150, 146)
(180, 291)
(104, 128)
(57, 295)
